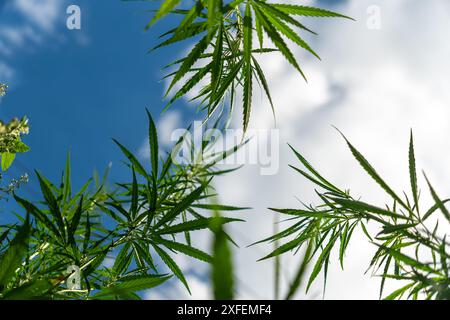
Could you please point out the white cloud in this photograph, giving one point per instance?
(33, 21)
(6, 72)
(169, 121)
(374, 85)
(18, 36)
(44, 13)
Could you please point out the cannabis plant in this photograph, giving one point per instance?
(411, 242)
(232, 34)
(60, 250)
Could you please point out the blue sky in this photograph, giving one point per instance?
(80, 88)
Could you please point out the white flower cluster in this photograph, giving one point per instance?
(3, 88)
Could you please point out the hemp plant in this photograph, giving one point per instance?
(142, 224)
(225, 56)
(411, 242)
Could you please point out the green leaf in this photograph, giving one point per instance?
(297, 281)
(248, 24)
(363, 227)
(5, 234)
(399, 292)
(398, 227)
(180, 207)
(286, 247)
(7, 160)
(12, 258)
(217, 63)
(20, 147)
(66, 187)
(272, 16)
(262, 79)
(185, 249)
(373, 174)
(76, 221)
(218, 207)
(87, 234)
(36, 289)
(189, 84)
(259, 32)
(400, 257)
(164, 9)
(214, 8)
(362, 206)
(123, 259)
(193, 225)
(189, 18)
(308, 11)
(142, 255)
(433, 209)
(278, 40)
(412, 173)
(116, 205)
(131, 285)
(52, 204)
(313, 171)
(38, 214)
(222, 267)
(182, 33)
(134, 161)
(438, 201)
(323, 259)
(153, 144)
(96, 261)
(134, 196)
(172, 265)
(225, 85)
(344, 237)
(190, 60)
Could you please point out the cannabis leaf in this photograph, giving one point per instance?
(406, 237)
(225, 58)
(143, 223)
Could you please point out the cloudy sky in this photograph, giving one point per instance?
(376, 81)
